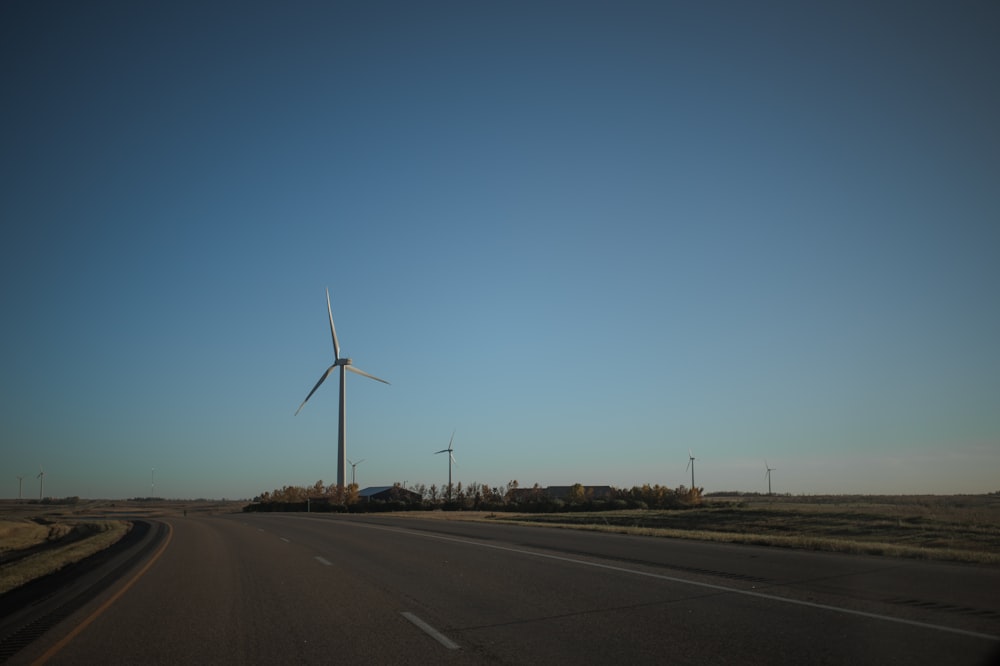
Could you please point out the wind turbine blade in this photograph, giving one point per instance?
(453, 461)
(442, 451)
(360, 461)
(688, 465)
(451, 440)
(364, 374)
(321, 380)
(333, 331)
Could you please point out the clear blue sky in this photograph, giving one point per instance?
(587, 237)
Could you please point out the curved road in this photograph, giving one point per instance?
(293, 588)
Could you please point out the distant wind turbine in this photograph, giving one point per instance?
(354, 468)
(41, 481)
(20, 481)
(451, 459)
(690, 464)
(768, 475)
(343, 364)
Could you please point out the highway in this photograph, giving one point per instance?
(313, 589)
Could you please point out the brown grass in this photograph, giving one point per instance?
(21, 534)
(960, 528)
(52, 554)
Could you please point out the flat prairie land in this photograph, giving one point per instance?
(963, 528)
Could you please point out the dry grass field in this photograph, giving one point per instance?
(27, 554)
(962, 528)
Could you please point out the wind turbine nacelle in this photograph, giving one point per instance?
(344, 361)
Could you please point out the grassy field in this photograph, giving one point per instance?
(30, 549)
(958, 528)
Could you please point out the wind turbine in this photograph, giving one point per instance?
(768, 475)
(152, 482)
(354, 467)
(451, 459)
(41, 481)
(20, 481)
(690, 464)
(343, 364)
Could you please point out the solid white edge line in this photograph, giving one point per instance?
(710, 586)
(431, 631)
(323, 560)
(284, 539)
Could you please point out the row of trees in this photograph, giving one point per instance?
(477, 496)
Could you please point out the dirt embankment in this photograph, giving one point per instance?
(35, 547)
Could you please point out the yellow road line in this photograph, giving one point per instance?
(52, 651)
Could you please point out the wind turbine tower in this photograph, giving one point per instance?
(152, 482)
(451, 459)
(768, 475)
(344, 364)
(41, 481)
(354, 469)
(690, 464)
(20, 481)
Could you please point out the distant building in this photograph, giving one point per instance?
(388, 493)
(560, 493)
(591, 492)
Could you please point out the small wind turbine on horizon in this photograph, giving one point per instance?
(41, 481)
(690, 464)
(768, 475)
(20, 482)
(343, 364)
(451, 459)
(354, 467)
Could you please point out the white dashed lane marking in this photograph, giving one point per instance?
(431, 631)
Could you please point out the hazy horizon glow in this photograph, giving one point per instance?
(587, 237)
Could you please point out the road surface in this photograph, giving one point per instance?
(302, 589)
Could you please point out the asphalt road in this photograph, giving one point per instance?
(298, 589)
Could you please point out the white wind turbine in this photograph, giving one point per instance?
(690, 464)
(354, 468)
(768, 475)
(343, 364)
(41, 481)
(451, 459)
